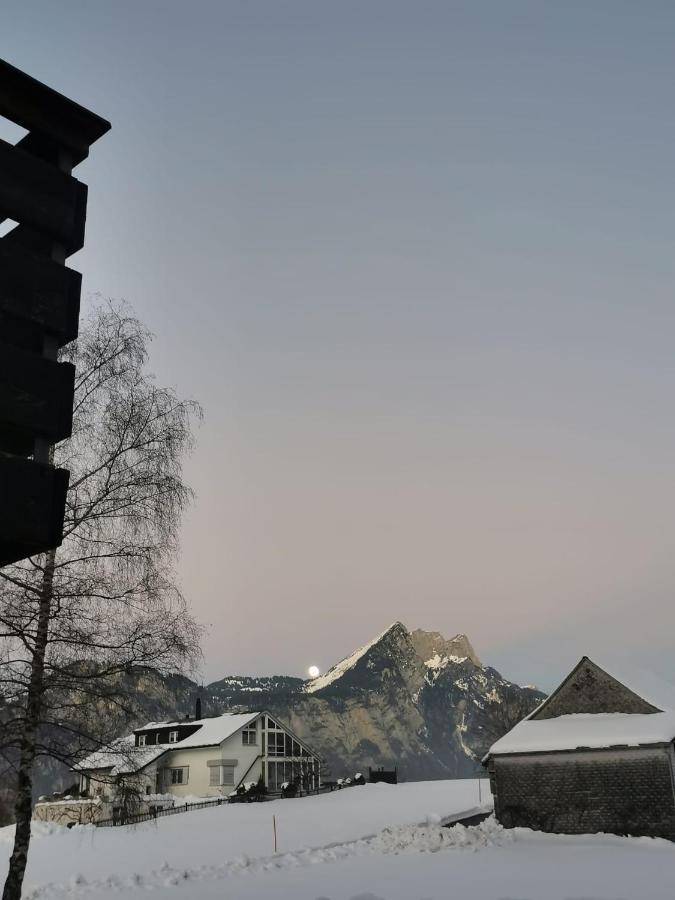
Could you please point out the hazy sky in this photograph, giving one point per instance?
(416, 261)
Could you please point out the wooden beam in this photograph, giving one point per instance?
(36, 397)
(37, 291)
(33, 505)
(55, 120)
(38, 195)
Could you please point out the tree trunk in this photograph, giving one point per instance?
(24, 801)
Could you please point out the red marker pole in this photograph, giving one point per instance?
(274, 826)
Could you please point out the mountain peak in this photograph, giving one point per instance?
(396, 632)
(434, 649)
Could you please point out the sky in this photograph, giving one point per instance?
(416, 262)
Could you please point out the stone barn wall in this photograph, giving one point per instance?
(580, 792)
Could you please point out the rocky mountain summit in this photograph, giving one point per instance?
(415, 700)
(435, 650)
(412, 699)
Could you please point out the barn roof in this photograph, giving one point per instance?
(587, 730)
(598, 730)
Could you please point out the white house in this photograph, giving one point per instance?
(208, 757)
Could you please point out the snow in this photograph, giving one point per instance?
(440, 662)
(378, 842)
(211, 731)
(206, 837)
(593, 730)
(482, 863)
(339, 669)
(121, 757)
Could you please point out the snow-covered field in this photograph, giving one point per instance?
(378, 841)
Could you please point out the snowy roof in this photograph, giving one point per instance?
(599, 730)
(123, 757)
(339, 669)
(593, 730)
(211, 731)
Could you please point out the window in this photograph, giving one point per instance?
(179, 776)
(275, 777)
(173, 737)
(141, 740)
(221, 775)
(275, 743)
(249, 735)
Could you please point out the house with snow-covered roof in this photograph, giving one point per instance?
(596, 755)
(164, 763)
(207, 757)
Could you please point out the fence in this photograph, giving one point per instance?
(158, 813)
(135, 819)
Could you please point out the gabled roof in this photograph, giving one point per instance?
(643, 682)
(656, 696)
(597, 730)
(210, 731)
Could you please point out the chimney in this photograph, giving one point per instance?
(198, 708)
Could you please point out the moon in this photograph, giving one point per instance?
(313, 671)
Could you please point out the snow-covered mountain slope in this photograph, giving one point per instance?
(339, 669)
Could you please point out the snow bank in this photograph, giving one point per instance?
(333, 848)
(191, 840)
(429, 838)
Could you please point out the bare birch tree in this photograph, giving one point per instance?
(75, 622)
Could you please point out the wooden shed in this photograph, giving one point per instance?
(597, 755)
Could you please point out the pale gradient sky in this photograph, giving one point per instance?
(416, 261)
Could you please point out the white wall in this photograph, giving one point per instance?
(199, 772)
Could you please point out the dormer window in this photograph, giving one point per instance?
(141, 740)
(173, 737)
